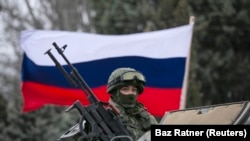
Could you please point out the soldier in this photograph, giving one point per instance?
(124, 85)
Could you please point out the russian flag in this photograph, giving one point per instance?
(160, 55)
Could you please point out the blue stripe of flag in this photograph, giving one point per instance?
(160, 73)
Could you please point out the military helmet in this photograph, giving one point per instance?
(122, 76)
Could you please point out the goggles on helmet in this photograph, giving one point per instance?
(128, 76)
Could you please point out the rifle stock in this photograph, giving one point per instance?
(105, 123)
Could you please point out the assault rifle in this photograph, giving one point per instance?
(102, 120)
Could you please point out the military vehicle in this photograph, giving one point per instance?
(236, 113)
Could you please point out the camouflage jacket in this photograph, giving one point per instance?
(138, 121)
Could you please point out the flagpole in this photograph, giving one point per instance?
(186, 75)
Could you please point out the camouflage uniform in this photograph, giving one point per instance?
(137, 121)
(136, 118)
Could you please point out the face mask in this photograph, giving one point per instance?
(127, 100)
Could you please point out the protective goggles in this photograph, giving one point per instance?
(129, 76)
